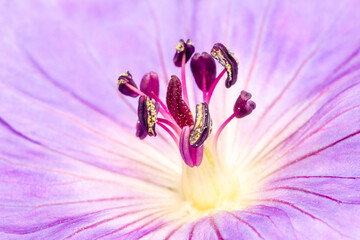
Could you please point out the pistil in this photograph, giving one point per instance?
(178, 108)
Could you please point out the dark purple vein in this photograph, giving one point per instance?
(247, 224)
(308, 155)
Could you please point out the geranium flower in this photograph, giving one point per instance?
(72, 166)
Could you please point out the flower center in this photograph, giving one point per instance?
(211, 185)
(207, 183)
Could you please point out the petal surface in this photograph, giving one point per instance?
(66, 163)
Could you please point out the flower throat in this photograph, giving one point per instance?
(206, 182)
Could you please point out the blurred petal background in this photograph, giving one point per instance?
(71, 166)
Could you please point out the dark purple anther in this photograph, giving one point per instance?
(123, 88)
(243, 106)
(203, 68)
(178, 109)
(140, 132)
(182, 48)
(150, 84)
(202, 127)
(191, 156)
(147, 114)
(226, 59)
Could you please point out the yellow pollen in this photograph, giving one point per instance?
(198, 124)
(180, 47)
(152, 118)
(222, 60)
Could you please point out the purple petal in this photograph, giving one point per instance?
(66, 163)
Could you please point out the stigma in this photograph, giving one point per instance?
(189, 131)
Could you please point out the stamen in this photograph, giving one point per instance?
(177, 118)
(182, 55)
(163, 109)
(183, 48)
(203, 68)
(210, 184)
(170, 133)
(126, 85)
(172, 125)
(147, 114)
(191, 156)
(211, 91)
(157, 99)
(202, 127)
(204, 91)
(242, 108)
(134, 89)
(221, 128)
(183, 80)
(150, 84)
(178, 109)
(227, 60)
(140, 133)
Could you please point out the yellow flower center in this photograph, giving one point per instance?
(211, 185)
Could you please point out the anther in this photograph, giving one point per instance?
(202, 127)
(124, 81)
(182, 48)
(150, 84)
(147, 114)
(243, 106)
(140, 132)
(178, 109)
(203, 68)
(227, 60)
